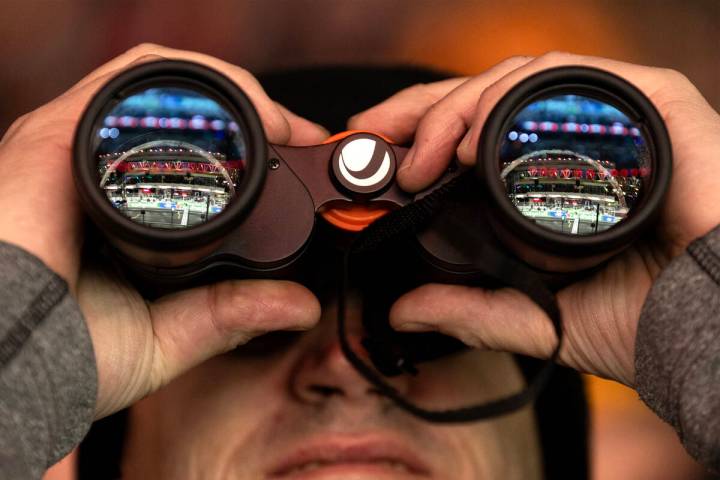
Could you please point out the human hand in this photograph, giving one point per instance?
(138, 346)
(141, 346)
(601, 313)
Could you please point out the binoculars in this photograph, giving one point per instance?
(173, 167)
(172, 164)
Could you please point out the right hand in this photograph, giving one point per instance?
(139, 346)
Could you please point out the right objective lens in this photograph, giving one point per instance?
(576, 162)
(169, 156)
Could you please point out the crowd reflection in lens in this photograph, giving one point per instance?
(574, 164)
(169, 157)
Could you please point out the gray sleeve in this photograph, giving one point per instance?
(677, 350)
(48, 379)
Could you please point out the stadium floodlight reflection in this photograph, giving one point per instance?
(569, 192)
(168, 183)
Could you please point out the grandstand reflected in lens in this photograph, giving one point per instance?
(574, 164)
(169, 157)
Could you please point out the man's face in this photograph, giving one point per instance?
(299, 411)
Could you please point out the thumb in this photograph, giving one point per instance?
(302, 131)
(194, 325)
(139, 346)
(504, 319)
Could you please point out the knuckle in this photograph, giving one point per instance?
(417, 89)
(440, 112)
(233, 308)
(434, 114)
(676, 92)
(675, 78)
(277, 126)
(144, 49)
(442, 121)
(558, 57)
(517, 60)
(456, 129)
(492, 93)
(222, 305)
(15, 126)
(144, 52)
(420, 92)
(242, 72)
(148, 57)
(24, 128)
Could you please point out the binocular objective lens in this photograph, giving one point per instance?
(169, 157)
(574, 164)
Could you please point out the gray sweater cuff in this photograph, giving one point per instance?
(48, 378)
(677, 349)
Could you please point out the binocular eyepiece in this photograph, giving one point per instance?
(172, 164)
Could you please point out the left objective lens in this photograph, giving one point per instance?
(169, 157)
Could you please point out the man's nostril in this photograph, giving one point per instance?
(325, 390)
(373, 391)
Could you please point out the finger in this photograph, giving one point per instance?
(503, 320)
(303, 131)
(277, 127)
(52, 125)
(645, 78)
(191, 326)
(47, 134)
(128, 59)
(443, 126)
(397, 117)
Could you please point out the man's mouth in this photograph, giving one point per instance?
(345, 456)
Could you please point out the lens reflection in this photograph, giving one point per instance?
(574, 164)
(169, 157)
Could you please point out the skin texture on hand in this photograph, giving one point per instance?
(139, 346)
(600, 314)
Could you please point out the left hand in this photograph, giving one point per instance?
(601, 313)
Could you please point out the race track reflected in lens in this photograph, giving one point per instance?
(573, 164)
(169, 157)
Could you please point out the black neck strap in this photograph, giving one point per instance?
(407, 221)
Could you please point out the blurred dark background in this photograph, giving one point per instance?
(46, 46)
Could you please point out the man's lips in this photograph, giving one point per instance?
(339, 452)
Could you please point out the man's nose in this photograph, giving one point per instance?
(324, 373)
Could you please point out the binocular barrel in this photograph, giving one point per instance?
(172, 164)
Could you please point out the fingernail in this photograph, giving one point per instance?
(413, 327)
